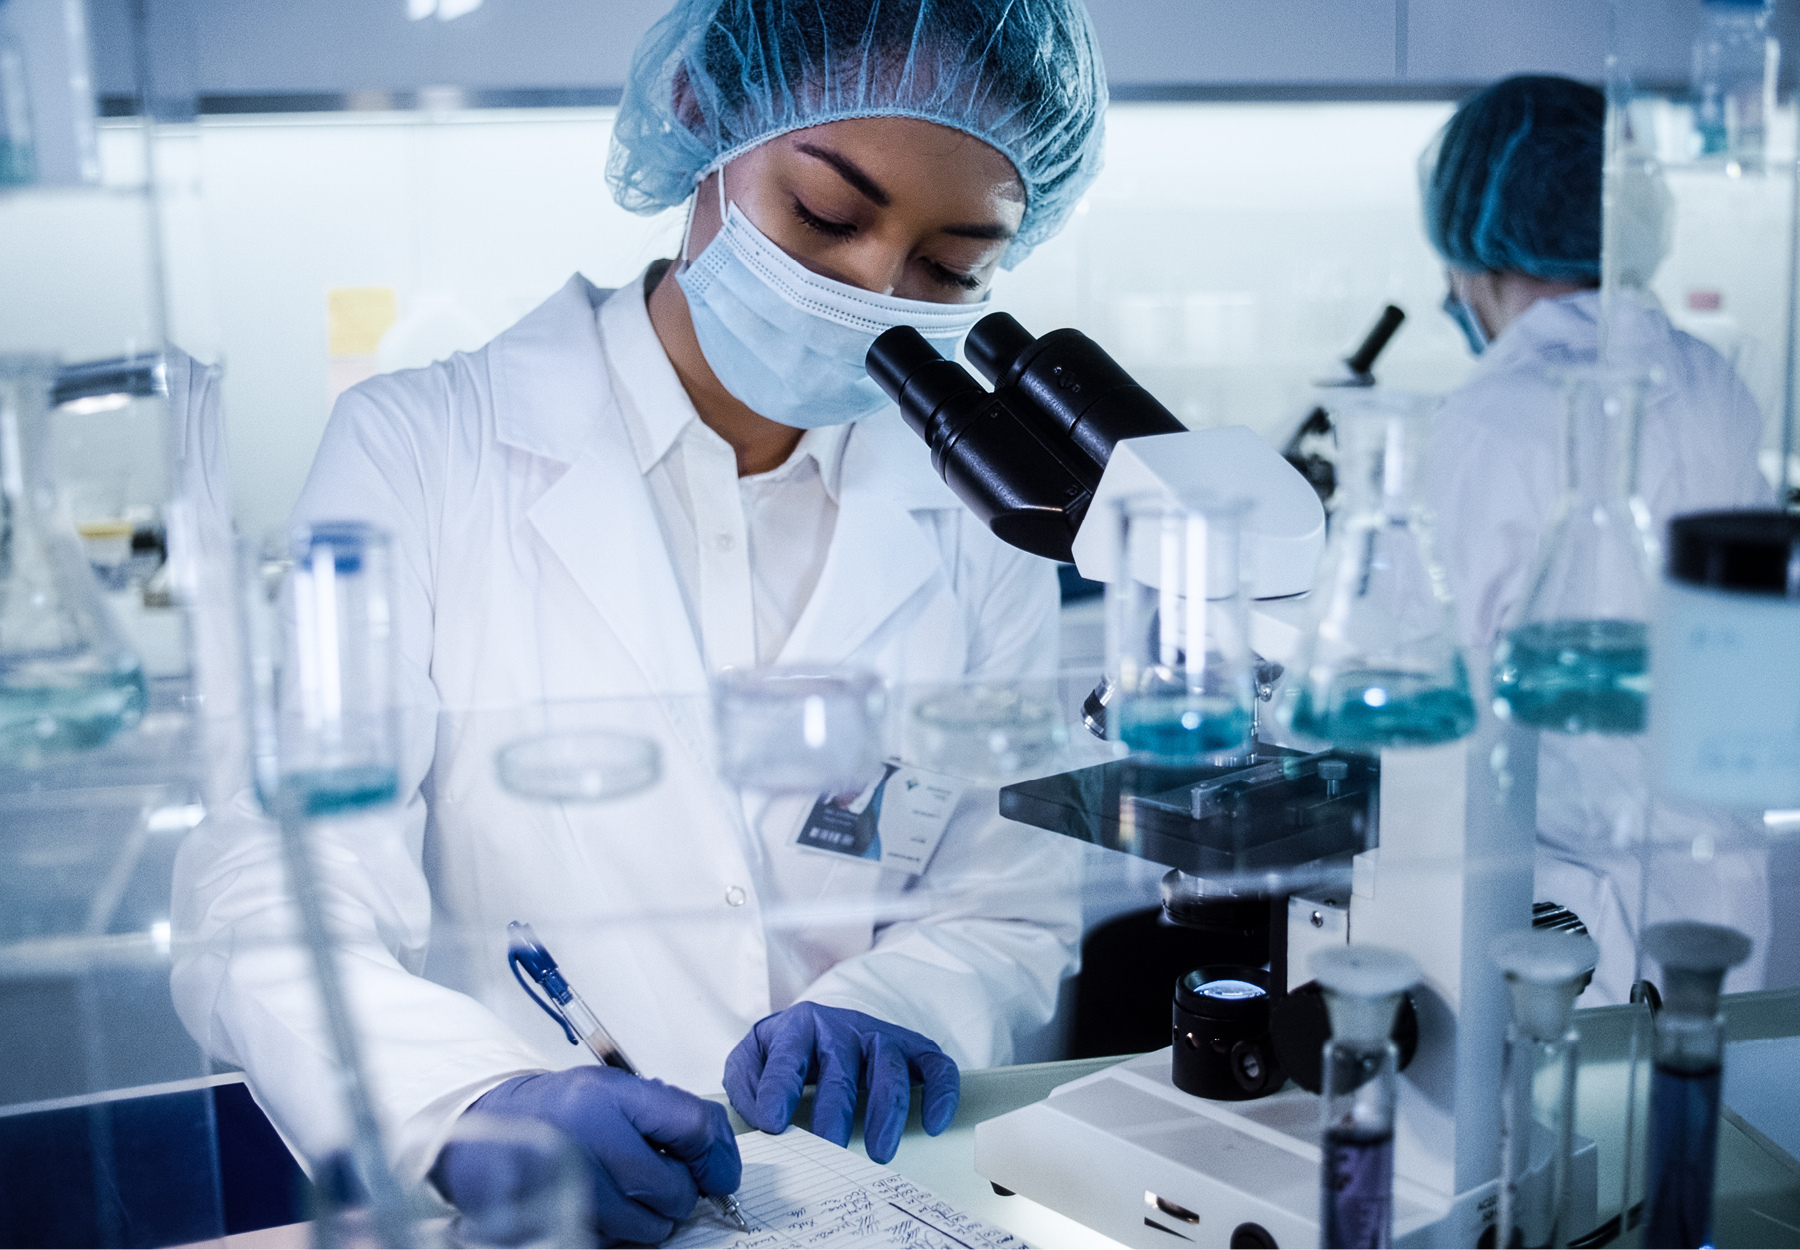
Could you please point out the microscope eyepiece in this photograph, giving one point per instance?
(1026, 456)
(995, 343)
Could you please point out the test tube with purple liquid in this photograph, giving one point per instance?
(1363, 986)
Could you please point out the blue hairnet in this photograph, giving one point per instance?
(1516, 183)
(715, 78)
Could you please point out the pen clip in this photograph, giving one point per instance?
(514, 960)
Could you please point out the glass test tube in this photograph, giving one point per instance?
(1363, 986)
(1684, 1084)
(1545, 970)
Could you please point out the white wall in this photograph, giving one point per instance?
(1228, 253)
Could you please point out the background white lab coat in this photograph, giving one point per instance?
(1495, 470)
(530, 567)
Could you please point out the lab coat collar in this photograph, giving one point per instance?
(553, 398)
(880, 556)
(548, 375)
(655, 404)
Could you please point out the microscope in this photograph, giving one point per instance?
(1273, 854)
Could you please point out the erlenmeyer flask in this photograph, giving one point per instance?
(67, 679)
(1178, 650)
(1382, 666)
(1574, 655)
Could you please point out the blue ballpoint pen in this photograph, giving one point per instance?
(580, 1023)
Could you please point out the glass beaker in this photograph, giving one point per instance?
(67, 679)
(1734, 79)
(1363, 986)
(1684, 1087)
(337, 737)
(1545, 971)
(1574, 657)
(1177, 633)
(1381, 666)
(799, 730)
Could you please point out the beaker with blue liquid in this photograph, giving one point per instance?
(1178, 645)
(1574, 656)
(337, 734)
(1382, 667)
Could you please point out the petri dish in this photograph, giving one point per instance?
(987, 732)
(580, 767)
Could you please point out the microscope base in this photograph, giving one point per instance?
(1129, 1155)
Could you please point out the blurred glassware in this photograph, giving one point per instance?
(1727, 618)
(790, 729)
(1178, 649)
(579, 767)
(987, 732)
(1546, 970)
(337, 735)
(1363, 987)
(1686, 1079)
(1574, 657)
(18, 156)
(67, 678)
(520, 1183)
(1734, 79)
(1380, 666)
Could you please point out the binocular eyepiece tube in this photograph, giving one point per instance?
(1027, 455)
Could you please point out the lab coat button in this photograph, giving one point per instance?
(722, 543)
(735, 896)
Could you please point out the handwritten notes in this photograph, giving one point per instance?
(800, 1190)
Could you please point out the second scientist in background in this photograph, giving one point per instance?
(1513, 205)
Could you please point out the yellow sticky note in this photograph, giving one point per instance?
(359, 316)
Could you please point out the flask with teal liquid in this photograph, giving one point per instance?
(1574, 655)
(1383, 668)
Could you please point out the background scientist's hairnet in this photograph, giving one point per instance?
(1515, 183)
(715, 78)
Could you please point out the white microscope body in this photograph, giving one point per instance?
(1042, 458)
(1130, 1155)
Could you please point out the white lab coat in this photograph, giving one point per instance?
(1494, 472)
(531, 567)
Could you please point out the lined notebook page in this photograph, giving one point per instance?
(800, 1190)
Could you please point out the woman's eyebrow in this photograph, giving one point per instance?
(980, 230)
(850, 172)
(873, 191)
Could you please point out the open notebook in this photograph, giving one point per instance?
(800, 1190)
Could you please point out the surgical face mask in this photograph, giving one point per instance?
(1466, 321)
(790, 344)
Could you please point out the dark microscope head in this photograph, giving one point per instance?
(1026, 456)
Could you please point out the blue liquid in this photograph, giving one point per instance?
(339, 791)
(79, 711)
(1378, 707)
(1356, 1200)
(1684, 1140)
(1183, 728)
(1575, 676)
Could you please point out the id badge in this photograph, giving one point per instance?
(896, 821)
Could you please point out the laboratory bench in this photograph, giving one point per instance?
(1758, 1196)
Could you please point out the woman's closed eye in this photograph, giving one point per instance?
(943, 275)
(823, 225)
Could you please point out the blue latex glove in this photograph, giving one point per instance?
(653, 1149)
(840, 1051)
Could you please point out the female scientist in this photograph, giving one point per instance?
(623, 495)
(1512, 204)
